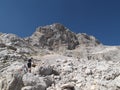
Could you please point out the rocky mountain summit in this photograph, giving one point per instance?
(63, 60)
(56, 35)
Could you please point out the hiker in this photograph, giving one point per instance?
(29, 65)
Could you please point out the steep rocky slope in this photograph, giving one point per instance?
(64, 61)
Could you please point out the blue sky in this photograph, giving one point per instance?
(100, 18)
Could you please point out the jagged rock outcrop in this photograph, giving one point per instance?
(57, 36)
(15, 43)
(53, 37)
(87, 40)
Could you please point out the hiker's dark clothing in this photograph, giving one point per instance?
(29, 64)
(29, 60)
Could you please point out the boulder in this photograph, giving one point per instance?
(35, 82)
(11, 77)
(43, 70)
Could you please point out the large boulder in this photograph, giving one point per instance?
(11, 77)
(34, 82)
(11, 82)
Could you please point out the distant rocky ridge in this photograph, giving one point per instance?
(64, 61)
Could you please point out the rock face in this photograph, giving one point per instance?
(62, 60)
(87, 40)
(11, 77)
(53, 37)
(56, 36)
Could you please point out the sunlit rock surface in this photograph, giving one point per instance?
(62, 60)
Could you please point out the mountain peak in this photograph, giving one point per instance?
(57, 35)
(54, 36)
